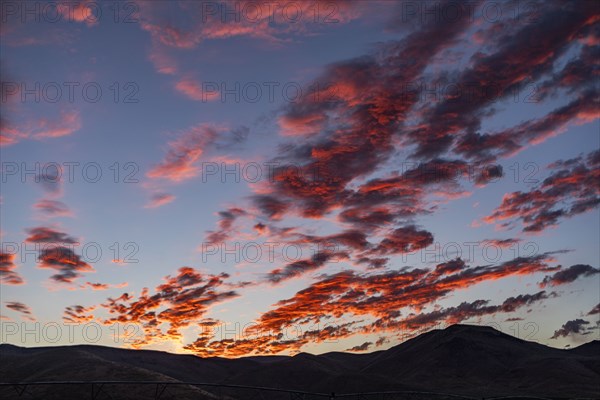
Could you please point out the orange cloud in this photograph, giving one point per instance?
(78, 314)
(378, 298)
(8, 275)
(180, 301)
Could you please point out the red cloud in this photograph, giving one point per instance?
(571, 190)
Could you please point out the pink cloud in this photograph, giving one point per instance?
(53, 208)
(66, 124)
(192, 89)
(179, 163)
(163, 63)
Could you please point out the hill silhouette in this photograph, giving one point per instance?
(461, 359)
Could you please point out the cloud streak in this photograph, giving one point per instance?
(576, 326)
(8, 275)
(573, 188)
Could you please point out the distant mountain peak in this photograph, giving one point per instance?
(462, 359)
(7, 346)
(469, 327)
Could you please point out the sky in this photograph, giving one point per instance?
(248, 178)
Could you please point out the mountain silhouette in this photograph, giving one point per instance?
(461, 359)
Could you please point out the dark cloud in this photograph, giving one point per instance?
(381, 341)
(226, 220)
(514, 319)
(368, 218)
(569, 275)
(521, 56)
(373, 263)
(69, 265)
(404, 240)
(21, 308)
(352, 239)
(270, 206)
(513, 303)
(362, 347)
(301, 267)
(466, 310)
(490, 146)
(49, 236)
(449, 267)
(579, 73)
(571, 327)
(451, 315)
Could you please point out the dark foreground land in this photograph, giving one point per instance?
(465, 360)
